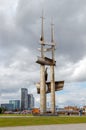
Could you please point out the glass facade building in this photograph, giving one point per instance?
(16, 104)
(24, 99)
(30, 101)
(8, 107)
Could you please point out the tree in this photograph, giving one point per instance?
(0, 110)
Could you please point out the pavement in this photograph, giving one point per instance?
(49, 127)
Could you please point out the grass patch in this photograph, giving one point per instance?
(15, 115)
(27, 121)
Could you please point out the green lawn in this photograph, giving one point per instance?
(26, 121)
(15, 115)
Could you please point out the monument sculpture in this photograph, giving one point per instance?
(44, 61)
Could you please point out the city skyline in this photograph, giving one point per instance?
(20, 30)
(25, 102)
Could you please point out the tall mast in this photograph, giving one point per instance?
(53, 85)
(52, 72)
(42, 36)
(42, 73)
(42, 29)
(52, 40)
(52, 32)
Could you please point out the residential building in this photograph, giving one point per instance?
(71, 108)
(84, 109)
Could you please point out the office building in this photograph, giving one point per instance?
(30, 101)
(24, 99)
(16, 104)
(7, 106)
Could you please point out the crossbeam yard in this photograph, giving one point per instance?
(46, 61)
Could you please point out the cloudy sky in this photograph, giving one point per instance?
(20, 27)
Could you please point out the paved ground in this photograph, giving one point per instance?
(49, 127)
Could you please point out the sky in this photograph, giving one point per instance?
(20, 29)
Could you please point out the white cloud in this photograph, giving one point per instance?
(73, 94)
(79, 73)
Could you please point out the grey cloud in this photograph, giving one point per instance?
(23, 33)
(69, 32)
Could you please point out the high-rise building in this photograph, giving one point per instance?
(30, 101)
(16, 104)
(24, 99)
